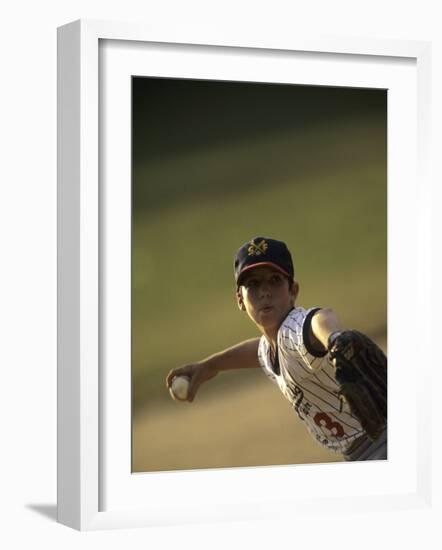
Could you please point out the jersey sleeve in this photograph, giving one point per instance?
(306, 332)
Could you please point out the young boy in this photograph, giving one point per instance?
(293, 351)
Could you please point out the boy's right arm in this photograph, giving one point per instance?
(240, 356)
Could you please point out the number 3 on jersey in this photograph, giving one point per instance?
(324, 421)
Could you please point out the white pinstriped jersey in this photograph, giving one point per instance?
(309, 384)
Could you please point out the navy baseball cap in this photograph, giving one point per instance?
(263, 251)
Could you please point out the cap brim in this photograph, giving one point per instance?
(259, 264)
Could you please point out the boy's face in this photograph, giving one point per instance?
(266, 296)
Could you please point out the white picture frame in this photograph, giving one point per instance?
(81, 470)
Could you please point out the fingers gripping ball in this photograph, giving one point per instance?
(361, 372)
(180, 387)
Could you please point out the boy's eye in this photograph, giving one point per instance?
(254, 283)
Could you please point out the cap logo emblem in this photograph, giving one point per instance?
(256, 249)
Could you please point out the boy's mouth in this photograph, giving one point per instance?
(266, 309)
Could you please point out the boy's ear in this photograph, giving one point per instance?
(239, 300)
(295, 290)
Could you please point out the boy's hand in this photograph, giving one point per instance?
(197, 374)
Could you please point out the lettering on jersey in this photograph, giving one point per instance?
(299, 396)
(322, 440)
(324, 421)
(256, 249)
(306, 408)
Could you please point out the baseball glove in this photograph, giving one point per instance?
(361, 372)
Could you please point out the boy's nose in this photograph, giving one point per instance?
(265, 289)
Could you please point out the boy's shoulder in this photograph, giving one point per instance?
(293, 329)
(296, 326)
(295, 319)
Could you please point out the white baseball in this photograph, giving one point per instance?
(180, 387)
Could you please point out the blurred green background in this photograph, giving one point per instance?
(217, 163)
